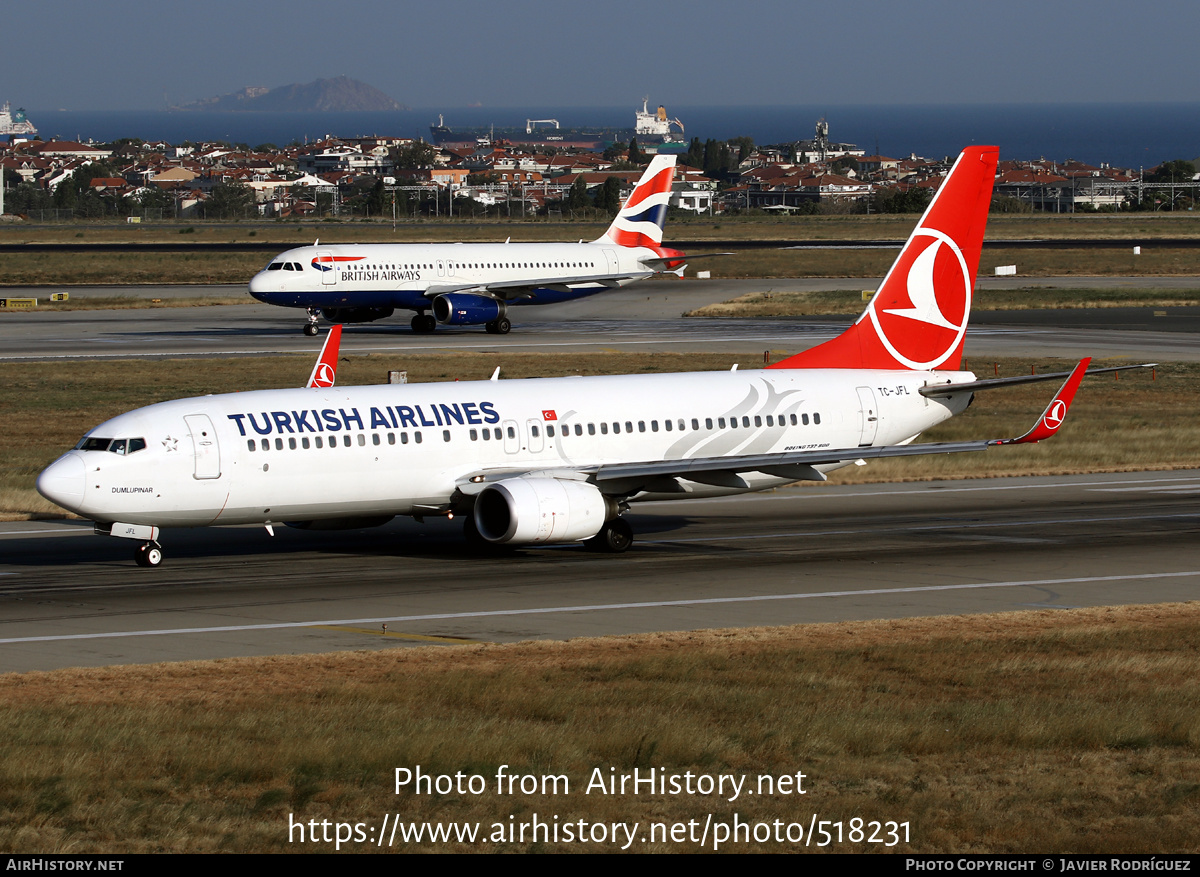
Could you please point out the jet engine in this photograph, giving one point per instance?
(356, 315)
(459, 309)
(541, 510)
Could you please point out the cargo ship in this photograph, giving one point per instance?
(14, 122)
(652, 129)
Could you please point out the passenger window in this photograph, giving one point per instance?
(770, 420)
(346, 440)
(804, 419)
(304, 443)
(362, 440)
(251, 445)
(403, 438)
(474, 435)
(604, 429)
(320, 443)
(668, 425)
(279, 444)
(793, 420)
(628, 426)
(533, 431)
(391, 438)
(550, 431)
(512, 432)
(291, 444)
(417, 437)
(654, 426)
(641, 426)
(579, 429)
(266, 444)
(375, 439)
(720, 423)
(757, 420)
(445, 435)
(708, 423)
(746, 422)
(695, 423)
(816, 419)
(591, 429)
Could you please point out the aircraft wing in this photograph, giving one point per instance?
(659, 476)
(510, 289)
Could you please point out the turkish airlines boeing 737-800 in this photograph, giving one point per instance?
(559, 460)
(470, 284)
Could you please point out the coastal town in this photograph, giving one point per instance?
(390, 178)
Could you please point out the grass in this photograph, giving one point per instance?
(1115, 425)
(841, 301)
(1057, 731)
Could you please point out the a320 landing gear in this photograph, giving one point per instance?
(499, 327)
(311, 328)
(424, 323)
(614, 538)
(149, 554)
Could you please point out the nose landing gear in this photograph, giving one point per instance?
(149, 554)
(311, 328)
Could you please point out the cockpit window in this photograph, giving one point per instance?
(275, 266)
(114, 446)
(289, 266)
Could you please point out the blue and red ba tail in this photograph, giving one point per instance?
(640, 221)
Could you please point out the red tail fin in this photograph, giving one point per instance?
(918, 318)
(324, 373)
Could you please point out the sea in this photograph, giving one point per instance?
(1121, 135)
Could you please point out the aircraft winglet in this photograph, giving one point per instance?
(1056, 412)
(324, 373)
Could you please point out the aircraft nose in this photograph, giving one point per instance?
(63, 482)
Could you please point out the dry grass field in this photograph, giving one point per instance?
(1051, 732)
(1116, 425)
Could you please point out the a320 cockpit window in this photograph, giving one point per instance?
(113, 446)
(285, 266)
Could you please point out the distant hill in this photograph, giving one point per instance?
(340, 95)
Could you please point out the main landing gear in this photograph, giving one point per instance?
(311, 328)
(498, 327)
(149, 554)
(423, 323)
(615, 537)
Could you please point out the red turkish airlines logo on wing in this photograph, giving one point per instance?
(325, 375)
(922, 310)
(1054, 416)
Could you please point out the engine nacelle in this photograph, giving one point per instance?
(464, 309)
(356, 315)
(527, 511)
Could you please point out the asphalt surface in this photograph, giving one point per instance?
(798, 555)
(816, 553)
(643, 316)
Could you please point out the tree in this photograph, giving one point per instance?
(635, 154)
(1178, 171)
(608, 198)
(229, 201)
(417, 154)
(577, 197)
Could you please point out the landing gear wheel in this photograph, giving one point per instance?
(490, 327)
(423, 323)
(311, 329)
(149, 554)
(503, 326)
(615, 538)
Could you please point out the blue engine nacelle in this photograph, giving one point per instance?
(464, 309)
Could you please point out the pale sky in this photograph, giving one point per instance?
(128, 54)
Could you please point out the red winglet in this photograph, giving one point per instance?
(324, 373)
(1056, 412)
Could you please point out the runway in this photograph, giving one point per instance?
(798, 555)
(814, 553)
(642, 316)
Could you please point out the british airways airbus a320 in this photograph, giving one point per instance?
(529, 462)
(473, 284)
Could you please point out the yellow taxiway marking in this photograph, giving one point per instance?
(396, 635)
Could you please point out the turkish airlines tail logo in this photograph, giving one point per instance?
(324, 373)
(918, 317)
(640, 222)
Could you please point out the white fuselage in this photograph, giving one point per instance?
(320, 454)
(409, 275)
